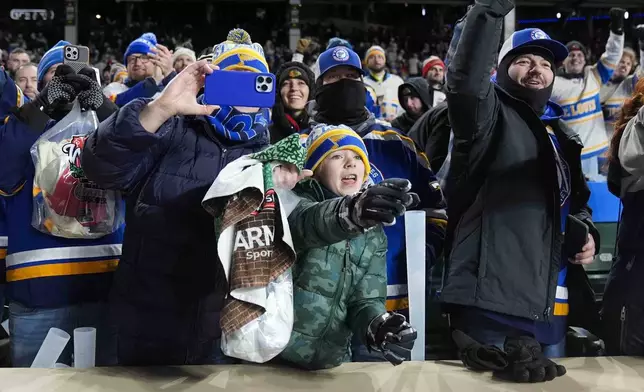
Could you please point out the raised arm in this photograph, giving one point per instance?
(127, 145)
(317, 224)
(614, 47)
(470, 93)
(121, 151)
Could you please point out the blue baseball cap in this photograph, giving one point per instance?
(533, 37)
(340, 55)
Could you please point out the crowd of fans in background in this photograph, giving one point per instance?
(358, 101)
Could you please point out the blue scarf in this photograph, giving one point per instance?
(232, 124)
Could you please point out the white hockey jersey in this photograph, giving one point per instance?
(580, 99)
(386, 95)
(613, 95)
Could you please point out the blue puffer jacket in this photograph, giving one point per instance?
(170, 286)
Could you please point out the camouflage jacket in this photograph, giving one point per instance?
(340, 280)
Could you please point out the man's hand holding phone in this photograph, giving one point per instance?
(579, 244)
(179, 98)
(587, 254)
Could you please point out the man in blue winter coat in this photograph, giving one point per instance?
(165, 154)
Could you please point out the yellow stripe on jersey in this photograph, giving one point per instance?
(13, 192)
(595, 148)
(62, 269)
(3, 254)
(585, 119)
(575, 99)
(18, 96)
(397, 304)
(561, 309)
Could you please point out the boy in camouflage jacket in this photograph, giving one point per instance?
(339, 277)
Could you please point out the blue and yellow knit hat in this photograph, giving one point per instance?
(326, 139)
(239, 53)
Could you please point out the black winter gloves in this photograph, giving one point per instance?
(521, 361)
(391, 335)
(617, 20)
(526, 362)
(61, 90)
(55, 100)
(476, 356)
(380, 204)
(91, 95)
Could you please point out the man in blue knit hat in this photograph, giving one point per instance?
(49, 62)
(149, 68)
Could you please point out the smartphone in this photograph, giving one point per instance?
(76, 57)
(238, 88)
(576, 236)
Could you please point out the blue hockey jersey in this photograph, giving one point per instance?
(43, 271)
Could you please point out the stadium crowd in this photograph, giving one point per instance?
(185, 232)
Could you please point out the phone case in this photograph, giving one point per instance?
(576, 236)
(237, 88)
(76, 57)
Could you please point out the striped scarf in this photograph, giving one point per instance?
(234, 125)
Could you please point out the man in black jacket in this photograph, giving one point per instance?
(414, 97)
(514, 178)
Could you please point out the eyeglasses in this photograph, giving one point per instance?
(142, 59)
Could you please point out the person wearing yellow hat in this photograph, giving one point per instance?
(338, 215)
(383, 82)
(165, 154)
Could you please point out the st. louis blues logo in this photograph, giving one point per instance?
(340, 54)
(539, 34)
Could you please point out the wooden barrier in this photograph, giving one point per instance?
(584, 374)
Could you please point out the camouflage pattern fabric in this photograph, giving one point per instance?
(287, 150)
(340, 285)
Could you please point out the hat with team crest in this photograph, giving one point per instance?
(535, 38)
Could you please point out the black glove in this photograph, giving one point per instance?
(617, 20)
(391, 335)
(60, 91)
(638, 32)
(476, 356)
(526, 362)
(381, 203)
(91, 96)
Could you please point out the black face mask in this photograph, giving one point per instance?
(342, 102)
(536, 99)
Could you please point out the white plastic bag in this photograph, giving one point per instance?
(65, 203)
(266, 336)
